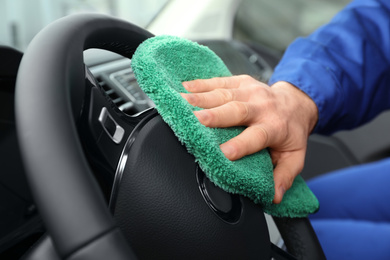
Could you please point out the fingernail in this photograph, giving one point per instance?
(190, 98)
(282, 191)
(227, 150)
(186, 85)
(279, 195)
(201, 115)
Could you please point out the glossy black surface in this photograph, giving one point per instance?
(225, 205)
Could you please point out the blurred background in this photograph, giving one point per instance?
(272, 23)
(20, 20)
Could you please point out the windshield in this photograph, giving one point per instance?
(277, 23)
(21, 20)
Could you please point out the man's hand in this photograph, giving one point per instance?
(280, 117)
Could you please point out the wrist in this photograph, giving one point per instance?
(300, 102)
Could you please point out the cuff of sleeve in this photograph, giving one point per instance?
(314, 80)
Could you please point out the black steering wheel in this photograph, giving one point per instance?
(161, 201)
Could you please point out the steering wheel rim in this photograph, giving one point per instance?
(62, 179)
(59, 79)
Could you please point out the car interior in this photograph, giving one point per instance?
(97, 110)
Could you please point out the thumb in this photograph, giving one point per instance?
(288, 166)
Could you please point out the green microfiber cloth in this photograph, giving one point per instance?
(160, 65)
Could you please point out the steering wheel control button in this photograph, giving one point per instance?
(115, 131)
(225, 205)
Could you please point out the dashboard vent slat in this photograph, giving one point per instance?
(119, 101)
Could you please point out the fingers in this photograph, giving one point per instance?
(234, 113)
(210, 99)
(279, 117)
(206, 85)
(288, 166)
(251, 140)
(209, 93)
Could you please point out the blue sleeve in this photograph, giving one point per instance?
(344, 66)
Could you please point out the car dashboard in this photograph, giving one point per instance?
(115, 76)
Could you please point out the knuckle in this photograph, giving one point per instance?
(224, 94)
(245, 77)
(261, 134)
(196, 83)
(200, 99)
(201, 85)
(279, 126)
(223, 82)
(241, 110)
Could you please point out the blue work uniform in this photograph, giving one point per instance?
(344, 67)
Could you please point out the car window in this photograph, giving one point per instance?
(21, 20)
(278, 22)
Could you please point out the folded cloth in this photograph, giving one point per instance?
(160, 65)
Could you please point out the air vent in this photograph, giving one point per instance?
(126, 81)
(119, 101)
(122, 87)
